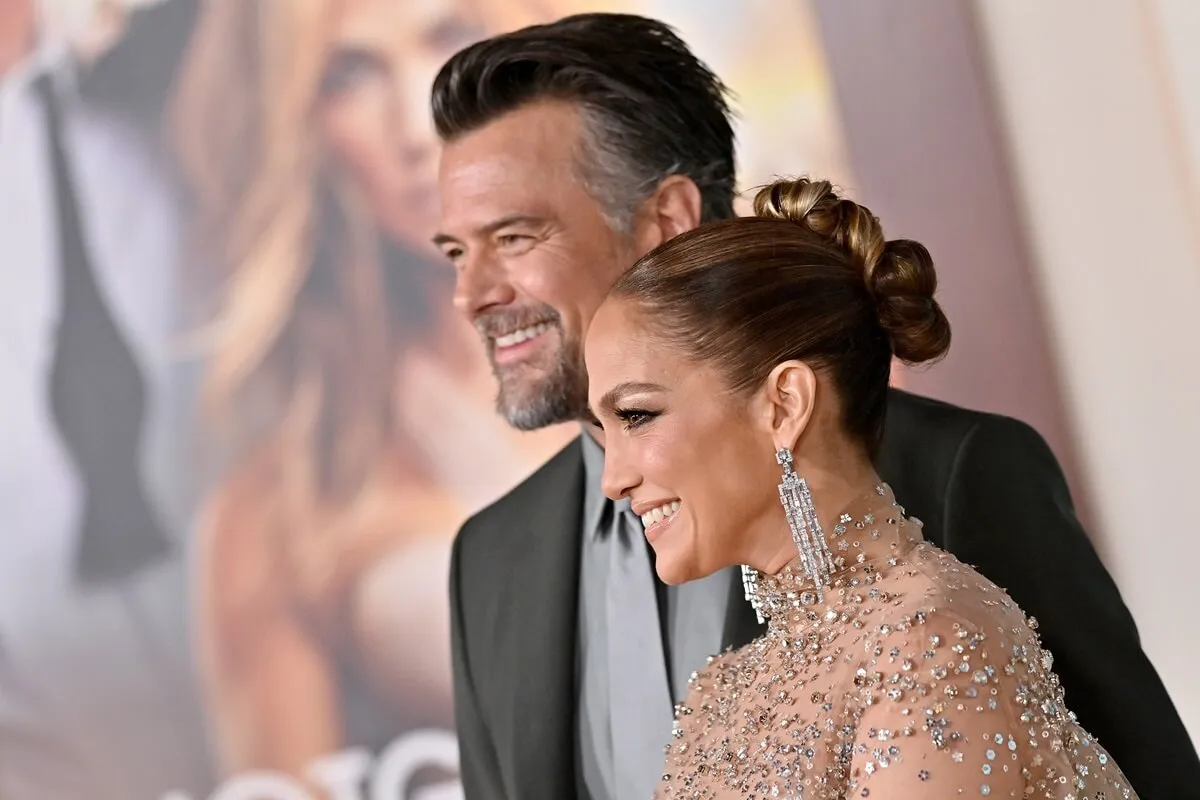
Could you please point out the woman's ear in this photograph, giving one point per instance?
(789, 396)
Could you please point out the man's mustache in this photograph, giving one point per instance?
(502, 323)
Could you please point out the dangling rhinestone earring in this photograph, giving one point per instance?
(796, 497)
(750, 584)
(815, 555)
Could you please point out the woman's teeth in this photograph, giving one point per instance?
(665, 511)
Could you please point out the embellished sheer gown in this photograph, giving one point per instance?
(911, 676)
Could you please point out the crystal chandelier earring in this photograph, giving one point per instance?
(815, 555)
(797, 500)
(750, 584)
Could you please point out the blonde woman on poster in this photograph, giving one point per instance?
(359, 407)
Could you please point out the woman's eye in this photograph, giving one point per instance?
(635, 417)
(347, 70)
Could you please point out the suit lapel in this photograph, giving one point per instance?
(544, 607)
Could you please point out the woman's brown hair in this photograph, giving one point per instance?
(304, 348)
(809, 278)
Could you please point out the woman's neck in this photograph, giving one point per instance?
(867, 536)
(832, 491)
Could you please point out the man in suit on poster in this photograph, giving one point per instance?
(96, 695)
(570, 150)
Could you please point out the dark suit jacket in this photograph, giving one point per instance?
(988, 489)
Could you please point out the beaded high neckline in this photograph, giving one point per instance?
(870, 534)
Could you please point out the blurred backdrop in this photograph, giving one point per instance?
(242, 423)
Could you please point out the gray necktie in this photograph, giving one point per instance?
(638, 685)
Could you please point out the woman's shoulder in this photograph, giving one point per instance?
(239, 561)
(718, 669)
(723, 673)
(264, 544)
(943, 613)
(971, 595)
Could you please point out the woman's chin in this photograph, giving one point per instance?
(672, 580)
(673, 569)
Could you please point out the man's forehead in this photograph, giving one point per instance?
(504, 169)
(470, 174)
(476, 192)
(540, 134)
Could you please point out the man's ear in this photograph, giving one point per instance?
(674, 208)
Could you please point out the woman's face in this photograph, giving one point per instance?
(374, 107)
(375, 103)
(696, 461)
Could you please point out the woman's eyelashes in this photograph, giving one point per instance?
(635, 417)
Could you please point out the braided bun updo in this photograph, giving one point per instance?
(898, 274)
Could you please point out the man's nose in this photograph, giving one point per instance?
(481, 285)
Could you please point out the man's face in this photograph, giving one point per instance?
(534, 254)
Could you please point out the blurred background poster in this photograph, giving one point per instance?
(242, 422)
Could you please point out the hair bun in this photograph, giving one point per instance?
(816, 206)
(899, 274)
(903, 283)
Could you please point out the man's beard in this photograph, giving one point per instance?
(558, 394)
(531, 395)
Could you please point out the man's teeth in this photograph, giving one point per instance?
(524, 334)
(665, 511)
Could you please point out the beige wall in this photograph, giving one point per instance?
(1173, 27)
(927, 156)
(1100, 107)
